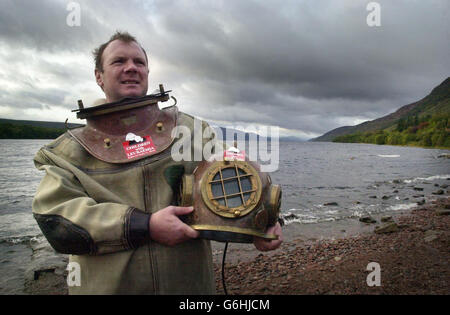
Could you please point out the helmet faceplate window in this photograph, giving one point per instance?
(232, 189)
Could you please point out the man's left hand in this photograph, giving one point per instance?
(266, 245)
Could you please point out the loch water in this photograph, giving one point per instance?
(322, 183)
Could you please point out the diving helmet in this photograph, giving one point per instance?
(233, 200)
(128, 130)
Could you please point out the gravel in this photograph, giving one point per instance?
(414, 259)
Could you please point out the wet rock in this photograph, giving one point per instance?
(431, 235)
(387, 219)
(420, 203)
(37, 273)
(367, 219)
(387, 228)
(331, 204)
(45, 261)
(373, 197)
(442, 212)
(418, 196)
(439, 192)
(290, 216)
(396, 181)
(418, 188)
(444, 155)
(386, 197)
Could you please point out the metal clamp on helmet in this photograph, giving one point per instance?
(233, 201)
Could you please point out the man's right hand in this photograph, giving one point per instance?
(166, 227)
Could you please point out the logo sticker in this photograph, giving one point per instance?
(136, 146)
(234, 154)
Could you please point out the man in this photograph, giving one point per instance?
(117, 221)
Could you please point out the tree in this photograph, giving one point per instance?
(427, 140)
(401, 125)
(380, 139)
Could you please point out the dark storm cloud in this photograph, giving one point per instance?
(32, 98)
(304, 65)
(41, 25)
(319, 51)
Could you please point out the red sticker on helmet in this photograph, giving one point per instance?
(136, 146)
(234, 154)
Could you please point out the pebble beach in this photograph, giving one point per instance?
(411, 249)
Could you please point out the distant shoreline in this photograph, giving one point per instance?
(30, 130)
(394, 145)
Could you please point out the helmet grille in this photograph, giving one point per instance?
(232, 189)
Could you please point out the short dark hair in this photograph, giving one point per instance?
(122, 36)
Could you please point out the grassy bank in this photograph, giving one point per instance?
(427, 132)
(16, 131)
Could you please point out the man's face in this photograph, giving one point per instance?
(125, 71)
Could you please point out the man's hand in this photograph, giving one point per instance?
(167, 229)
(266, 245)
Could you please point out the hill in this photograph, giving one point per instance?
(30, 129)
(424, 119)
(247, 136)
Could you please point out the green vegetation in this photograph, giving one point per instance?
(413, 130)
(422, 123)
(18, 131)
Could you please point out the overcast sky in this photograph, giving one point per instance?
(304, 66)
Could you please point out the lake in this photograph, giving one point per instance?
(325, 186)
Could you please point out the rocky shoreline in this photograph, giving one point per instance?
(411, 250)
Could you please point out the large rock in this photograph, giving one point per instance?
(444, 155)
(442, 212)
(431, 235)
(46, 265)
(367, 219)
(387, 228)
(421, 203)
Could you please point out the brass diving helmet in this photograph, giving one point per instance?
(233, 201)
